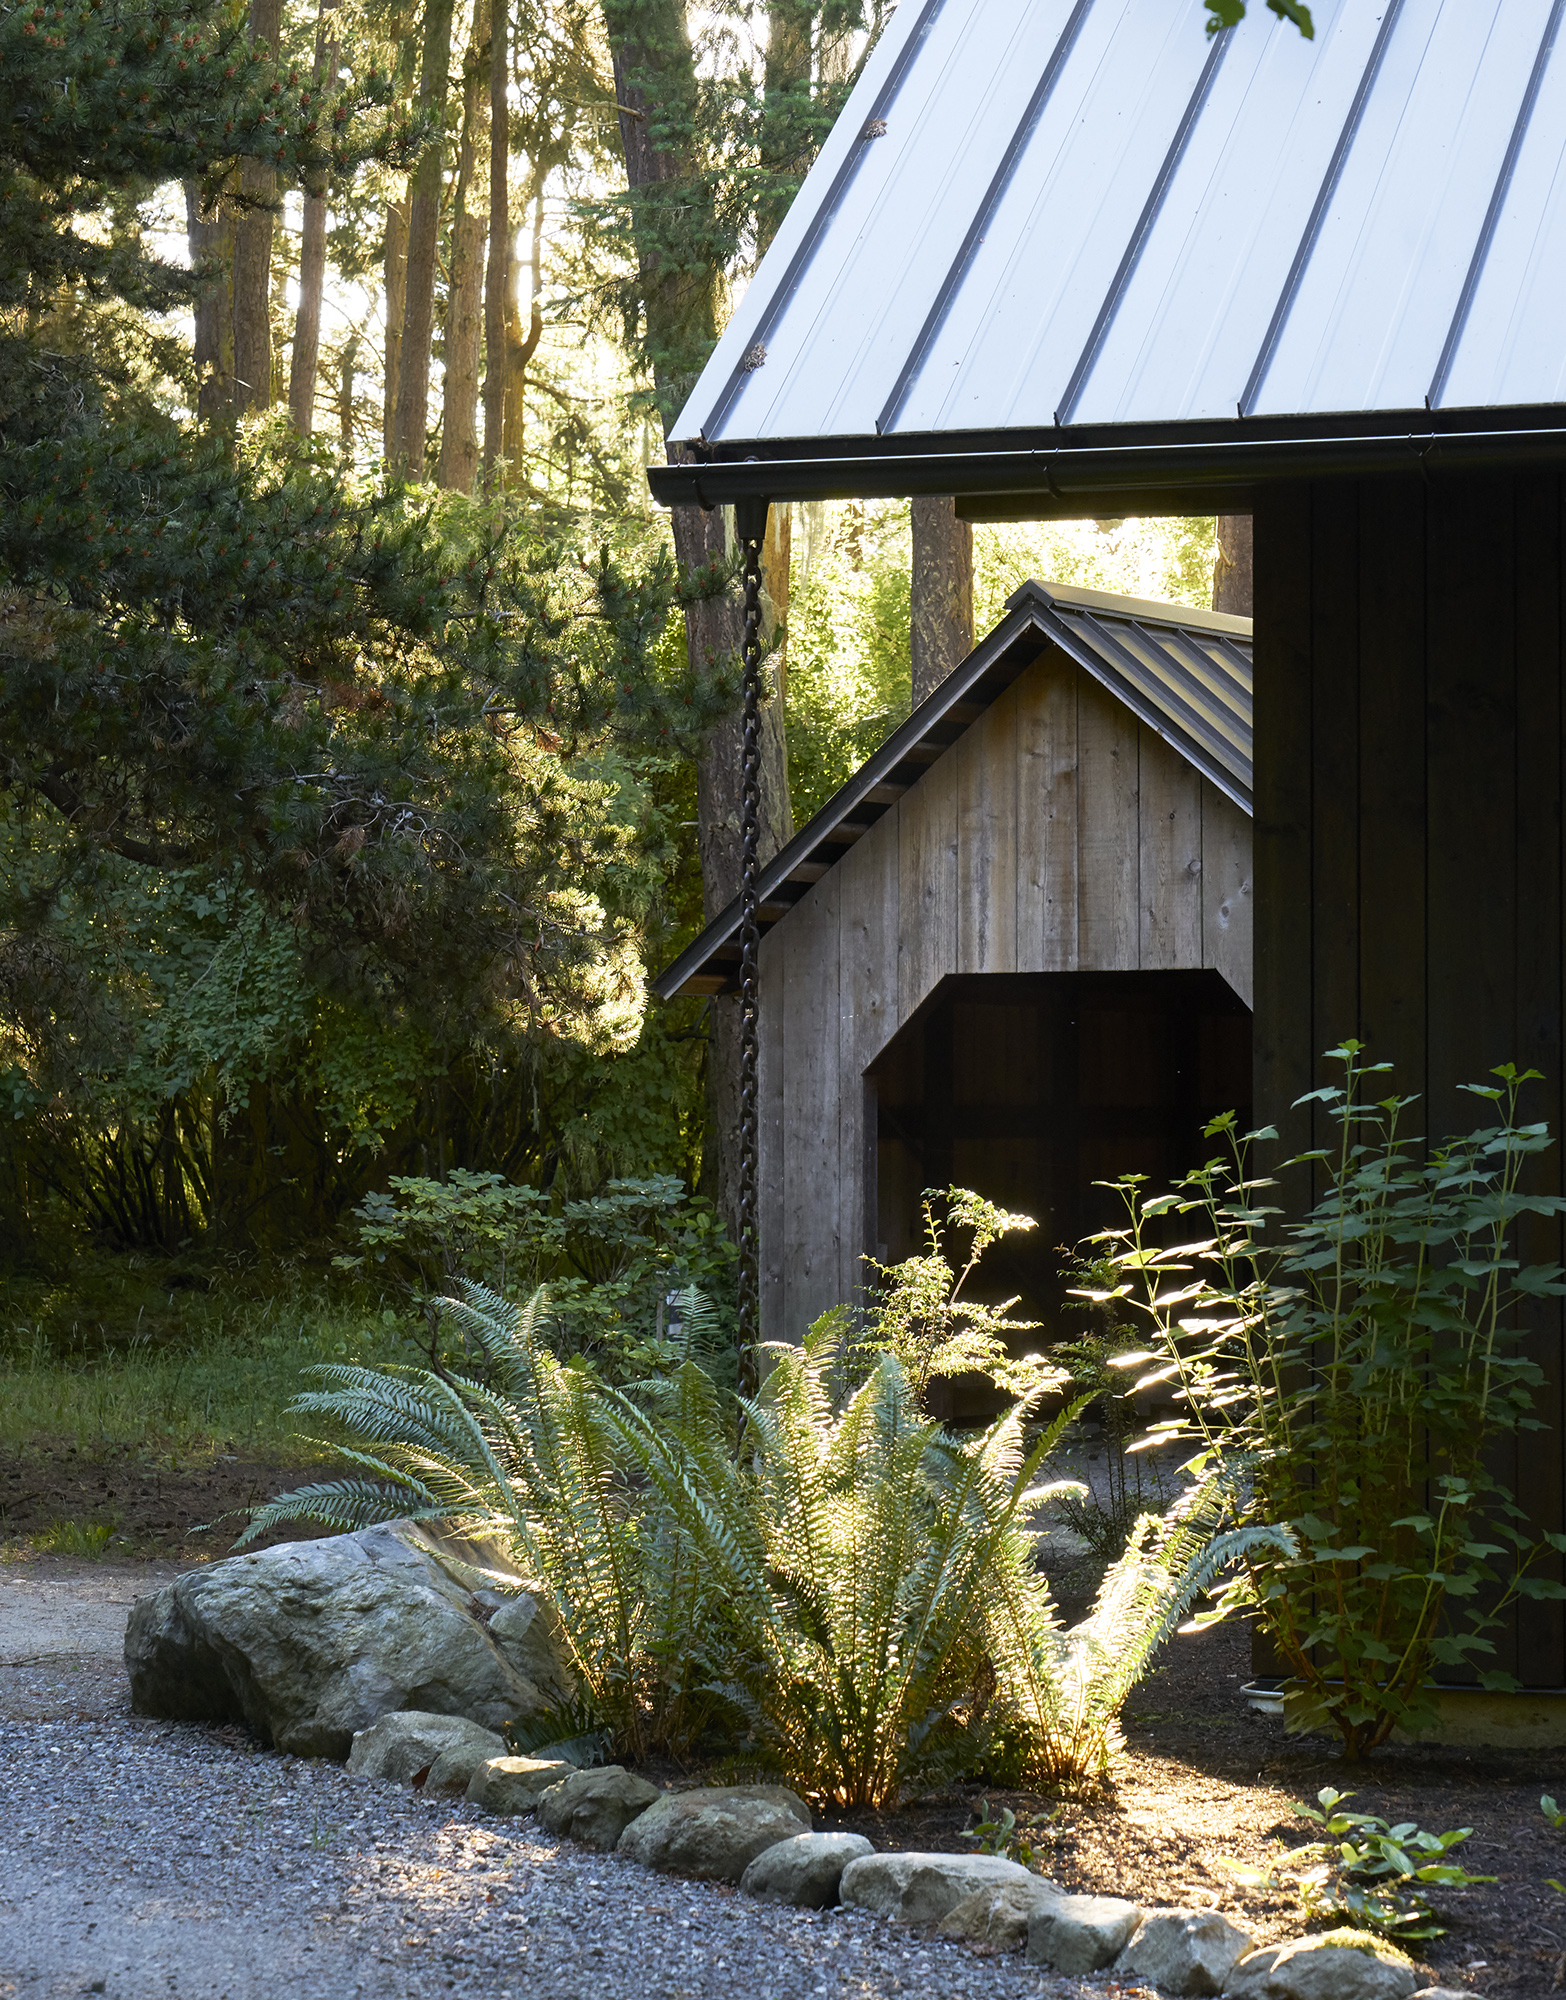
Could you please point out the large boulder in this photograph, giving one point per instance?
(923, 1888)
(714, 1834)
(1185, 1953)
(439, 1752)
(998, 1916)
(1080, 1933)
(803, 1870)
(1323, 1968)
(596, 1807)
(310, 1642)
(514, 1785)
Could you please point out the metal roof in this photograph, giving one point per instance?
(1185, 673)
(1067, 222)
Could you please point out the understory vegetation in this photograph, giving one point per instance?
(820, 1578)
(1356, 1371)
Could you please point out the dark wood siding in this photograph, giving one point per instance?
(1408, 829)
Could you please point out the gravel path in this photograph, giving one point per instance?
(142, 1858)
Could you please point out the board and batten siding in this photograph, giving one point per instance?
(1058, 834)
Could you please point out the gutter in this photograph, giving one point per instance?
(1057, 472)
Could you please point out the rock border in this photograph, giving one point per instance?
(761, 1838)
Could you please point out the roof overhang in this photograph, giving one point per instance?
(1074, 256)
(1183, 672)
(1143, 469)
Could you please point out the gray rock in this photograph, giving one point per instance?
(582, 1753)
(440, 1751)
(923, 1888)
(716, 1833)
(1080, 1933)
(528, 1631)
(803, 1870)
(310, 1642)
(1445, 1993)
(1315, 1969)
(514, 1784)
(998, 1916)
(596, 1807)
(1186, 1953)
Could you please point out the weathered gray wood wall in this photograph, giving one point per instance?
(1058, 834)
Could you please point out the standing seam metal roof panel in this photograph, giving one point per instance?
(1084, 211)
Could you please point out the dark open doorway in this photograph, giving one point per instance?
(1029, 1088)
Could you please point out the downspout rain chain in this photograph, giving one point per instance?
(750, 525)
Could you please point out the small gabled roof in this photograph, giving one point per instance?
(1070, 243)
(1185, 673)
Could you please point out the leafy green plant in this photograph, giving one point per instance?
(1357, 1369)
(1097, 1362)
(999, 1833)
(848, 1593)
(921, 1317)
(534, 1457)
(612, 1261)
(1368, 1870)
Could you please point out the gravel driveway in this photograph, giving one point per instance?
(143, 1858)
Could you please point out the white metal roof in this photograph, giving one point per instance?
(1040, 216)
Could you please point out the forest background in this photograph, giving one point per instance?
(366, 735)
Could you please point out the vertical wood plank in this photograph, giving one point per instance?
(1392, 883)
(1108, 882)
(867, 1020)
(773, 1138)
(1047, 793)
(1228, 905)
(1471, 750)
(1284, 1040)
(987, 840)
(1335, 773)
(1169, 867)
(927, 884)
(811, 1099)
(1539, 1464)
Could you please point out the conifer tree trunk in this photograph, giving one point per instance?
(253, 252)
(1232, 589)
(497, 275)
(347, 368)
(212, 237)
(305, 356)
(520, 347)
(656, 94)
(418, 319)
(459, 445)
(940, 593)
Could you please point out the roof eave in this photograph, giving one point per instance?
(1073, 470)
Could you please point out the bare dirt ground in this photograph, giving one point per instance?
(150, 1511)
(1205, 1779)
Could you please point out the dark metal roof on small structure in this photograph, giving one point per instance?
(1081, 240)
(1185, 673)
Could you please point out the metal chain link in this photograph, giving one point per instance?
(750, 869)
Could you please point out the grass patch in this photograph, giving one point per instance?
(75, 1538)
(177, 1366)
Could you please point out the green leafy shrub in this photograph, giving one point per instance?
(1375, 1874)
(1358, 1374)
(920, 1316)
(612, 1261)
(848, 1590)
(1097, 1363)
